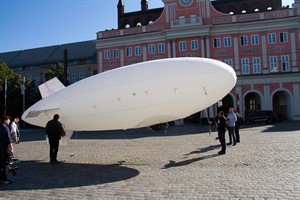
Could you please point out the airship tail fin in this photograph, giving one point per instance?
(50, 87)
(36, 113)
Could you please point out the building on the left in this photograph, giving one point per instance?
(34, 63)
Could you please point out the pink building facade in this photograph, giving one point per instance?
(262, 47)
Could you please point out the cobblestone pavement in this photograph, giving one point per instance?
(142, 164)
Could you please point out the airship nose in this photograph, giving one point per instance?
(221, 78)
(23, 117)
(226, 73)
(231, 75)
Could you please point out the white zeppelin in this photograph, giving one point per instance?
(134, 96)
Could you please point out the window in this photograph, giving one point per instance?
(151, 49)
(182, 46)
(106, 54)
(271, 38)
(74, 78)
(116, 53)
(284, 37)
(181, 20)
(285, 64)
(193, 19)
(245, 66)
(138, 51)
(254, 39)
(273, 64)
(253, 104)
(129, 51)
(161, 48)
(256, 65)
(81, 76)
(244, 41)
(227, 42)
(217, 42)
(195, 44)
(229, 62)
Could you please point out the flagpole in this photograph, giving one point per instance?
(237, 103)
(5, 96)
(23, 94)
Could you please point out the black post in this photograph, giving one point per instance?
(66, 67)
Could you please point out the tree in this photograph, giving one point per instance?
(55, 71)
(14, 100)
(4, 74)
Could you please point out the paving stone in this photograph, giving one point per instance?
(142, 164)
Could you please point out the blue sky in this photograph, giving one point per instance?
(27, 24)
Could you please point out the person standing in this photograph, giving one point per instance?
(14, 129)
(220, 121)
(6, 149)
(54, 131)
(238, 123)
(231, 119)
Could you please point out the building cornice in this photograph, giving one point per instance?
(130, 40)
(256, 26)
(193, 31)
(269, 78)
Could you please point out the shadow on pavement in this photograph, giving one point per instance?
(286, 126)
(187, 162)
(283, 126)
(141, 133)
(32, 134)
(204, 150)
(173, 163)
(36, 175)
(38, 134)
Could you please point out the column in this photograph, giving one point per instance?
(169, 46)
(264, 53)
(144, 46)
(207, 47)
(202, 47)
(294, 66)
(267, 101)
(238, 90)
(295, 103)
(236, 54)
(100, 61)
(122, 56)
(174, 48)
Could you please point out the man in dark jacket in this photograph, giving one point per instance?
(220, 121)
(53, 131)
(6, 148)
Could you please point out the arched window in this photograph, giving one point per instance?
(231, 10)
(244, 8)
(126, 24)
(138, 22)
